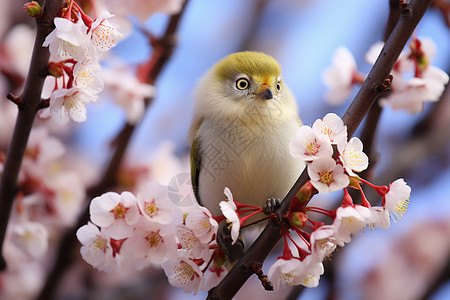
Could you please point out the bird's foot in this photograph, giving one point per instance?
(271, 205)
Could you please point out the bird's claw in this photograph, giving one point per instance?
(271, 205)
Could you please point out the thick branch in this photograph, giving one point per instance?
(366, 96)
(69, 242)
(31, 98)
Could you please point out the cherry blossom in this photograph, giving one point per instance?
(69, 103)
(68, 194)
(184, 273)
(96, 248)
(309, 145)
(285, 272)
(293, 271)
(116, 212)
(155, 205)
(333, 128)
(427, 83)
(67, 40)
(189, 242)
(30, 237)
(87, 76)
(323, 241)
(396, 200)
(150, 243)
(228, 209)
(143, 9)
(104, 36)
(348, 221)
(127, 92)
(202, 224)
(327, 176)
(353, 157)
(339, 78)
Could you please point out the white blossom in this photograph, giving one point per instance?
(184, 273)
(155, 205)
(201, 222)
(309, 145)
(87, 76)
(333, 128)
(228, 209)
(96, 248)
(69, 103)
(150, 243)
(67, 40)
(103, 34)
(30, 237)
(396, 199)
(116, 213)
(327, 176)
(339, 76)
(353, 157)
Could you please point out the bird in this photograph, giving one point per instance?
(244, 118)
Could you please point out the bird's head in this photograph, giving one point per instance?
(248, 86)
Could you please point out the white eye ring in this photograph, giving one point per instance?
(242, 83)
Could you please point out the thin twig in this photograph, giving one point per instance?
(366, 96)
(66, 254)
(28, 108)
(368, 133)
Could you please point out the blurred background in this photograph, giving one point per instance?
(410, 260)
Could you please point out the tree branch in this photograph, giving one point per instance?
(28, 108)
(66, 254)
(367, 95)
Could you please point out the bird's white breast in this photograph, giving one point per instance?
(252, 159)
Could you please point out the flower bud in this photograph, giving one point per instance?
(302, 197)
(55, 69)
(297, 219)
(33, 9)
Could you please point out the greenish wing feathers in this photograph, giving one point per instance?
(195, 167)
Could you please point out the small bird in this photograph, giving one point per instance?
(243, 121)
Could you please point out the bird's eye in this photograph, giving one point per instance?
(242, 83)
(278, 86)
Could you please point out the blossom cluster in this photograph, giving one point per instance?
(331, 170)
(315, 145)
(49, 195)
(127, 230)
(137, 231)
(75, 46)
(415, 80)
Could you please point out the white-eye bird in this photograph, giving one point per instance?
(244, 118)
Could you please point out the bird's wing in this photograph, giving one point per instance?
(195, 160)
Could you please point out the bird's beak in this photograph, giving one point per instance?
(266, 94)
